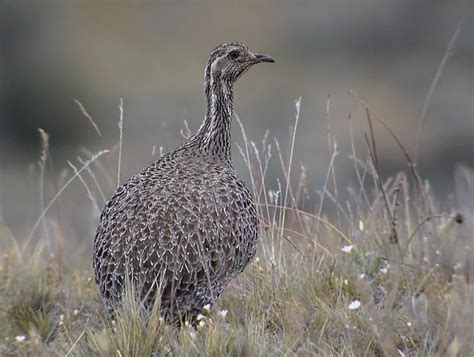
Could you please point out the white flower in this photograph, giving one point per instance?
(207, 307)
(384, 270)
(201, 323)
(20, 338)
(347, 248)
(362, 276)
(409, 324)
(361, 226)
(223, 313)
(200, 317)
(354, 305)
(75, 312)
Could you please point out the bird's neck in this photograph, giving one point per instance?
(213, 137)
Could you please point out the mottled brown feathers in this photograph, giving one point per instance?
(184, 226)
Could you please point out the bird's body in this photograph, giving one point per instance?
(184, 226)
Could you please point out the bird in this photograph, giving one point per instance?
(184, 226)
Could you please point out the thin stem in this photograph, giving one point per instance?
(120, 125)
(89, 192)
(48, 206)
(433, 87)
(290, 162)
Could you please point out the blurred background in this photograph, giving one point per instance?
(153, 53)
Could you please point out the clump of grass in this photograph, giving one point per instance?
(30, 298)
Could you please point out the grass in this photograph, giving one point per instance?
(294, 302)
(388, 273)
(415, 295)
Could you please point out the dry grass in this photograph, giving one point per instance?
(388, 274)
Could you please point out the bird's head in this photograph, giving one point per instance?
(229, 61)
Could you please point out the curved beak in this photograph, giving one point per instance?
(263, 58)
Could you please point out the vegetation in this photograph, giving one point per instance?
(386, 273)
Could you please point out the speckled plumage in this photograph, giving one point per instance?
(184, 226)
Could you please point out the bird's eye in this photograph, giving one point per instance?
(234, 54)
